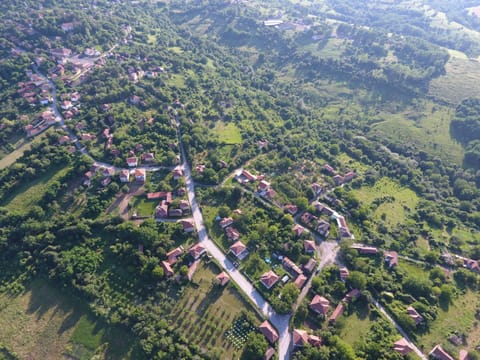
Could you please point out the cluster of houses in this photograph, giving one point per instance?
(264, 188)
(453, 259)
(390, 257)
(36, 91)
(337, 178)
(105, 172)
(70, 104)
(195, 253)
(165, 208)
(41, 123)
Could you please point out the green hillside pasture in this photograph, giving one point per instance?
(43, 323)
(462, 80)
(460, 316)
(227, 133)
(204, 313)
(404, 200)
(426, 129)
(351, 164)
(30, 193)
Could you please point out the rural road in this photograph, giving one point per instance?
(280, 322)
(400, 330)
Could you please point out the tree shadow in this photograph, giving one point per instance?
(210, 299)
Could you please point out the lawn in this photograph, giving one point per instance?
(43, 323)
(351, 164)
(143, 206)
(404, 200)
(30, 193)
(205, 313)
(228, 133)
(356, 325)
(459, 317)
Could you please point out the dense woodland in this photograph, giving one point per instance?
(215, 62)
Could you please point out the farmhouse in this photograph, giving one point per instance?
(402, 346)
(197, 250)
(320, 305)
(222, 278)
(239, 250)
(188, 225)
(414, 315)
(268, 331)
(269, 279)
(440, 354)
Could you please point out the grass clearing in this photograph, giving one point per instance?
(42, 323)
(228, 133)
(426, 127)
(460, 317)
(30, 193)
(352, 164)
(461, 80)
(20, 149)
(402, 200)
(144, 207)
(356, 325)
(205, 313)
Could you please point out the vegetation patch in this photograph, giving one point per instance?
(393, 201)
(228, 133)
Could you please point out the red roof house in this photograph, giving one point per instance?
(414, 315)
(222, 278)
(124, 176)
(197, 250)
(269, 279)
(336, 313)
(174, 254)
(239, 250)
(320, 305)
(402, 346)
(299, 338)
(268, 331)
(440, 354)
(188, 225)
(391, 257)
(309, 246)
(167, 269)
(132, 161)
(227, 221)
(232, 233)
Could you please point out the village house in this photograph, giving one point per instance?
(328, 169)
(344, 274)
(300, 281)
(269, 279)
(161, 211)
(323, 228)
(188, 225)
(172, 212)
(440, 354)
(336, 313)
(291, 209)
(247, 175)
(301, 338)
(87, 177)
(307, 217)
(68, 26)
(184, 206)
(75, 97)
(239, 250)
(132, 161)
(338, 179)
(263, 186)
(290, 266)
(298, 230)
(391, 257)
(164, 195)
(309, 246)
(222, 279)
(124, 176)
(343, 228)
(196, 251)
(177, 173)
(140, 175)
(64, 139)
(414, 315)
(167, 269)
(87, 137)
(174, 254)
(402, 346)
(268, 331)
(269, 353)
(352, 295)
(108, 171)
(310, 265)
(232, 233)
(66, 105)
(227, 221)
(317, 188)
(349, 176)
(148, 157)
(365, 250)
(270, 193)
(320, 305)
(199, 169)
(105, 181)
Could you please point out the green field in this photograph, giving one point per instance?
(20, 147)
(227, 133)
(204, 314)
(43, 323)
(30, 193)
(426, 127)
(460, 317)
(356, 325)
(449, 88)
(143, 206)
(404, 200)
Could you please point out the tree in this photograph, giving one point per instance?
(255, 347)
(357, 280)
